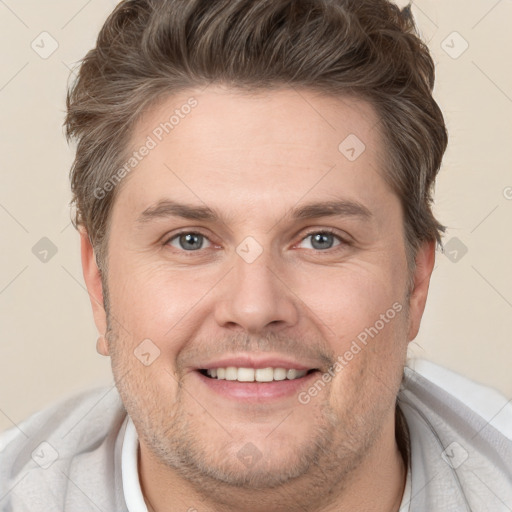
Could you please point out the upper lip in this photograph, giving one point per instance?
(253, 361)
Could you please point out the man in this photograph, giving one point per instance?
(253, 183)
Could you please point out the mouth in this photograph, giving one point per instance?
(255, 385)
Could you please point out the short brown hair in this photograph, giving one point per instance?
(148, 49)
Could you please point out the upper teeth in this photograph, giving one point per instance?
(255, 374)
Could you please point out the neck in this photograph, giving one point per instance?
(377, 484)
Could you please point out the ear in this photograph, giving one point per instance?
(92, 279)
(425, 259)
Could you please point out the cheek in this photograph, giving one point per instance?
(145, 313)
(369, 345)
(349, 299)
(155, 303)
(362, 317)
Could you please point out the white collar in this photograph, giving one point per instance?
(130, 474)
(406, 500)
(129, 470)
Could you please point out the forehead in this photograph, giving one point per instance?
(254, 147)
(220, 116)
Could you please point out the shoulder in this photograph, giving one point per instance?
(45, 446)
(484, 401)
(460, 440)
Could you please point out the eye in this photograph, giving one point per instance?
(188, 241)
(323, 240)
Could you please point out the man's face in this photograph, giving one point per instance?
(260, 286)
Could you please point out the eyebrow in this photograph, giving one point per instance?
(166, 208)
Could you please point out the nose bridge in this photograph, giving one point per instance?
(254, 295)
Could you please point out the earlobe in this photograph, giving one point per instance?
(425, 260)
(101, 346)
(92, 277)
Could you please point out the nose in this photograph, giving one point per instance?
(254, 297)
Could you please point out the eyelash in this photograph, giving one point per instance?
(326, 231)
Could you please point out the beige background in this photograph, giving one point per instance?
(47, 347)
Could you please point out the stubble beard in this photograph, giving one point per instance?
(312, 471)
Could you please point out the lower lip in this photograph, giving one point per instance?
(257, 391)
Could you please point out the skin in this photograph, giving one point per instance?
(253, 158)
